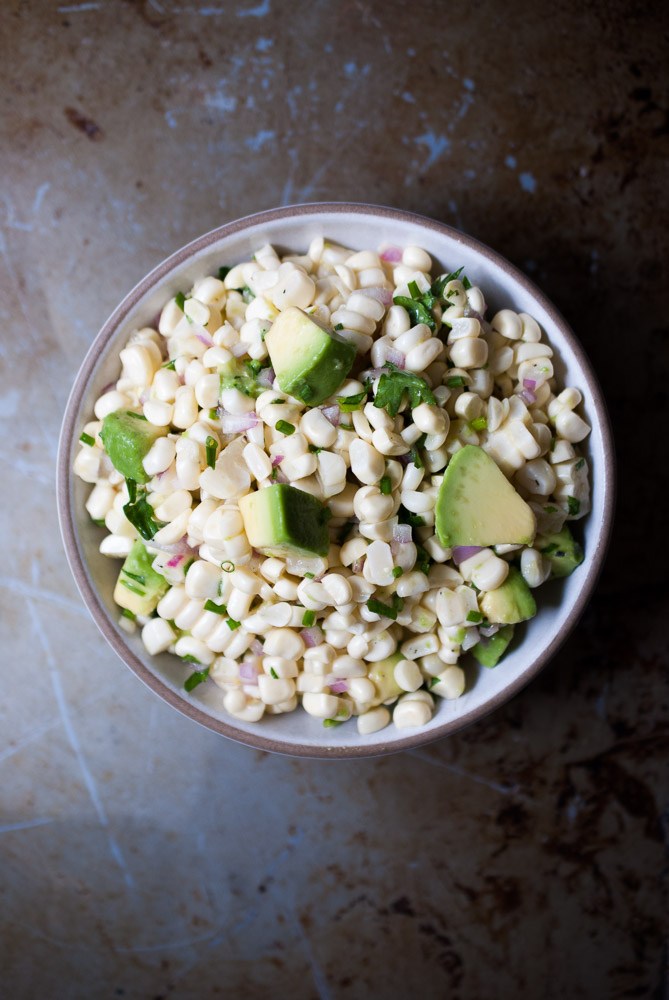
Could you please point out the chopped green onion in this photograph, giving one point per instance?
(397, 571)
(331, 723)
(210, 447)
(191, 659)
(579, 465)
(285, 427)
(573, 505)
(466, 283)
(180, 300)
(433, 681)
(314, 449)
(213, 414)
(406, 517)
(478, 424)
(232, 624)
(474, 616)
(455, 381)
(218, 609)
(171, 365)
(308, 618)
(273, 673)
(197, 677)
(309, 576)
(127, 613)
(228, 566)
(385, 485)
(87, 439)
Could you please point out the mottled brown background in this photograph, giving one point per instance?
(143, 857)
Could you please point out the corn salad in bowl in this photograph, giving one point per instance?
(334, 450)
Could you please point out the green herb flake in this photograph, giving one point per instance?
(170, 365)
(309, 576)
(406, 517)
(87, 439)
(285, 427)
(349, 403)
(550, 510)
(308, 618)
(197, 677)
(397, 572)
(218, 609)
(210, 446)
(273, 673)
(474, 616)
(466, 283)
(455, 381)
(392, 386)
(191, 659)
(386, 610)
(573, 505)
(130, 615)
(419, 308)
(232, 624)
(139, 511)
(180, 300)
(385, 485)
(213, 414)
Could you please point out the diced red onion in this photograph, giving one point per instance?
(338, 686)
(204, 337)
(391, 255)
(256, 647)
(530, 383)
(280, 477)
(527, 396)
(488, 630)
(180, 548)
(471, 638)
(372, 373)
(238, 349)
(333, 414)
(277, 460)
(312, 636)
(266, 378)
(174, 561)
(358, 564)
(382, 295)
(248, 672)
(237, 423)
(395, 357)
(462, 552)
(144, 396)
(402, 533)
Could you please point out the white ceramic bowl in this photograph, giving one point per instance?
(560, 603)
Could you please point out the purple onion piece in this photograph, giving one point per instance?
(462, 552)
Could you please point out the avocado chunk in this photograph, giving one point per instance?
(562, 551)
(235, 375)
(489, 651)
(139, 587)
(382, 676)
(310, 362)
(281, 520)
(127, 438)
(477, 505)
(510, 603)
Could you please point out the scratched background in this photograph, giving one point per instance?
(142, 857)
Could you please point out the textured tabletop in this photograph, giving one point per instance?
(144, 857)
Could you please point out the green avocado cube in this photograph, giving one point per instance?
(128, 438)
(310, 362)
(512, 602)
(281, 520)
(562, 551)
(382, 676)
(139, 587)
(489, 651)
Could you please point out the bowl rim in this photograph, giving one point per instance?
(65, 505)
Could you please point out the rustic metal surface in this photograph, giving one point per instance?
(143, 857)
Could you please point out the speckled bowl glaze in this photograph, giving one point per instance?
(358, 226)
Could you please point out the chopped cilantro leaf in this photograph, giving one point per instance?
(418, 309)
(439, 284)
(406, 517)
(423, 561)
(433, 681)
(474, 616)
(573, 505)
(139, 511)
(392, 386)
(191, 659)
(339, 326)
(87, 439)
(331, 723)
(386, 610)
(232, 624)
(349, 403)
(455, 381)
(218, 609)
(197, 677)
(314, 449)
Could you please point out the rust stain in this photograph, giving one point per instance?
(86, 125)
